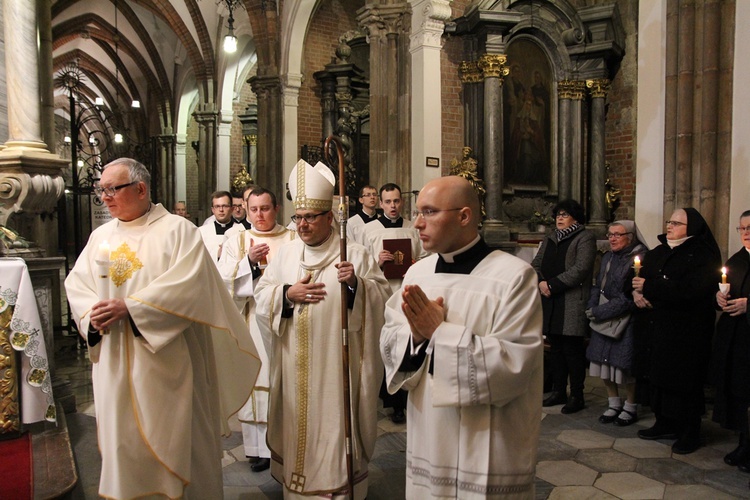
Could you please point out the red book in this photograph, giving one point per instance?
(402, 259)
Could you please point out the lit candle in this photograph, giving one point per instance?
(724, 275)
(102, 255)
(637, 265)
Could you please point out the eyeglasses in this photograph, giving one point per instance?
(563, 215)
(111, 191)
(309, 218)
(743, 229)
(616, 236)
(674, 223)
(222, 207)
(431, 212)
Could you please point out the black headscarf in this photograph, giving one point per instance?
(697, 227)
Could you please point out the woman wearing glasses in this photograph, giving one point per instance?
(731, 362)
(674, 325)
(564, 266)
(612, 359)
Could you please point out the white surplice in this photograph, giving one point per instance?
(374, 233)
(473, 426)
(237, 273)
(162, 399)
(306, 419)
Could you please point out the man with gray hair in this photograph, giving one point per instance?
(171, 355)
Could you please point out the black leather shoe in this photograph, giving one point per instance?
(744, 466)
(261, 465)
(686, 445)
(398, 417)
(575, 404)
(608, 419)
(738, 457)
(624, 422)
(658, 431)
(554, 399)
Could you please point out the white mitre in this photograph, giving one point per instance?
(311, 187)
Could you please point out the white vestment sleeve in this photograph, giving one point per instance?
(496, 368)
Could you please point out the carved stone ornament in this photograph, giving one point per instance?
(571, 89)
(28, 192)
(599, 87)
(493, 65)
(470, 72)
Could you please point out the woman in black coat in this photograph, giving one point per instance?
(564, 266)
(674, 326)
(731, 355)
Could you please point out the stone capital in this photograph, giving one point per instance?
(30, 181)
(571, 89)
(383, 20)
(493, 66)
(469, 72)
(428, 23)
(598, 88)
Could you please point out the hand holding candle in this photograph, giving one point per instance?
(102, 270)
(724, 286)
(637, 265)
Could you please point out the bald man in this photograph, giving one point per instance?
(464, 337)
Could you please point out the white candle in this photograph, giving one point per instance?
(102, 254)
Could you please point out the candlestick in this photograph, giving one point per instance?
(637, 265)
(724, 275)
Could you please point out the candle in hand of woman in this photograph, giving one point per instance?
(637, 265)
(724, 275)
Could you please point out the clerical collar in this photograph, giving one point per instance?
(464, 260)
(368, 218)
(245, 223)
(222, 228)
(450, 256)
(387, 222)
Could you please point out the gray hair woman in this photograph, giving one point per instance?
(612, 359)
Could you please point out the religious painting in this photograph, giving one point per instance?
(527, 116)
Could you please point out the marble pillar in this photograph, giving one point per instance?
(494, 71)
(598, 213)
(167, 162)
(471, 78)
(268, 92)
(206, 116)
(30, 176)
(565, 90)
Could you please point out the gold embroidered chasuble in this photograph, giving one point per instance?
(163, 399)
(306, 420)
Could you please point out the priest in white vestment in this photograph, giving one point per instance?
(368, 199)
(299, 311)
(464, 337)
(213, 232)
(244, 257)
(171, 356)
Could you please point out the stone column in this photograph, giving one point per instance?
(268, 91)
(30, 176)
(598, 216)
(428, 23)
(578, 167)
(327, 100)
(390, 95)
(44, 12)
(167, 156)
(471, 78)
(494, 70)
(206, 117)
(180, 170)
(223, 149)
(565, 91)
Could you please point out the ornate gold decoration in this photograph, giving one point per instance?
(242, 180)
(467, 168)
(10, 414)
(571, 89)
(598, 87)
(36, 377)
(123, 264)
(250, 139)
(303, 385)
(493, 65)
(19, 340)
(613, 201)
(469, 72)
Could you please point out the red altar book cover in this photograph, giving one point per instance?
(401, 250)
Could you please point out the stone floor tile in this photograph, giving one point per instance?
(641, 448)
(703, 458)
(579, 493)
(630, 486)
(238, 452)
(694, 492)
(669, 471)
(227, 458)
(730, 481)
(585, 439)
(607, 460)
(566, 473)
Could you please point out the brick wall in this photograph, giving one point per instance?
(332, 19)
